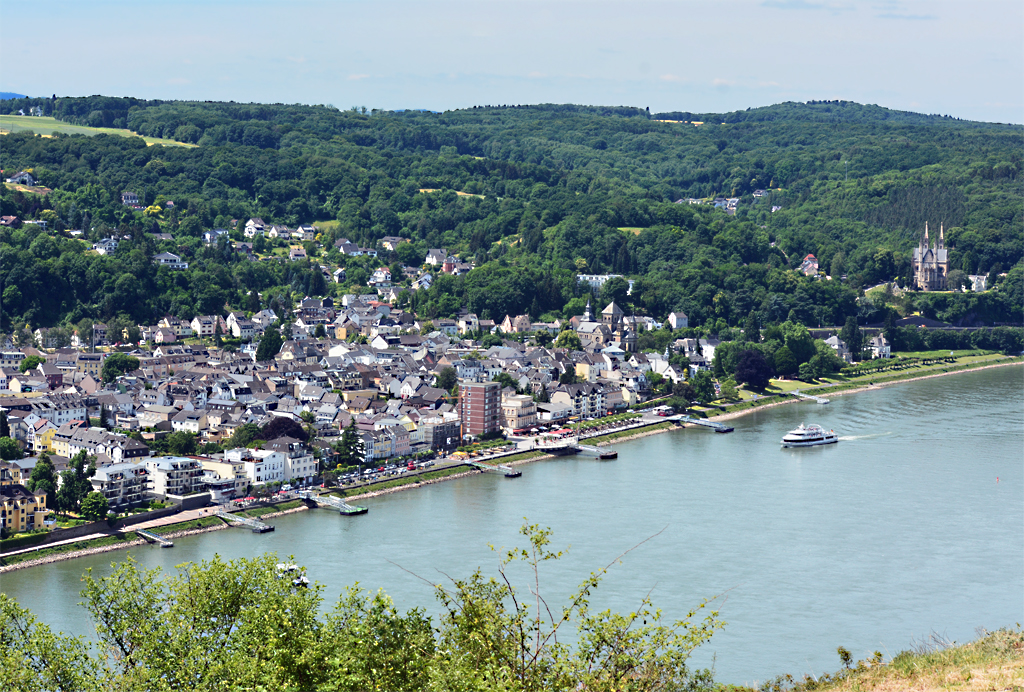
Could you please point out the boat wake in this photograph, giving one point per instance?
(872, 436)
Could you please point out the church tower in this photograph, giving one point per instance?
(588, 316)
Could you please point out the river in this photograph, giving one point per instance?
(898, 531)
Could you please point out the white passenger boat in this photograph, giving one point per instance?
(809, 436)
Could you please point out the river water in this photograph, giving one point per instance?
(898, 531)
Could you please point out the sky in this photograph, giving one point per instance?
(963, 58)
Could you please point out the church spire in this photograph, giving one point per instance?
(588, 316)
(942, 237)
(926, 234)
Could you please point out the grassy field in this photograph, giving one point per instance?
(203, 523)
(995, 661)
(407, 480)
(48, 126)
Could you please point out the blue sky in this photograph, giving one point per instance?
(964, 59)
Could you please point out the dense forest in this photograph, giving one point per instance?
(533, 195)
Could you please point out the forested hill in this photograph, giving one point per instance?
(548, 191)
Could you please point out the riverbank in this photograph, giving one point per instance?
(117, 542)
(854, 388)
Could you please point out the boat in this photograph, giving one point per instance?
(809, 436)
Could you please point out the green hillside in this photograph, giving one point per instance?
(534, 195)
(42, 125)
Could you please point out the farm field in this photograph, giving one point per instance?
(47, 126)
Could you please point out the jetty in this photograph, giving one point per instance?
(597, 452)
(508, 471)
(248, 522)
(810, 397)
(332, 501)
(155, 538)
(717, 427)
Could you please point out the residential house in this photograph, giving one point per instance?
(254, 227)
(170, 260)
(880, 347)
(678, 320)
(809, 266)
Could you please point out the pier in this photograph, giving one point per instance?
(237, 520)
(155, 538)
(508, 471)
(810, 397)
(334, 502)
(597, 452)
(717, 427)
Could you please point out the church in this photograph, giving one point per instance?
(930, 264)
(611, 330)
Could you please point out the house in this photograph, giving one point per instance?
(22, 178)
(380, 277)
(519, 412)
(760, 193)
(516, 325)
(809, 266)
(106, 246)
(678, 320)
(879, 347)
(9, 221)
(129, 199)
(347, 247)
(436, 257)
(339, 275)
(391, 242)
(254, 227)
(169, 259)
(210, 237)
(194, 422)
(296, 253)
(839, 346)
(206, 325)
(304, 232)
(279, 231)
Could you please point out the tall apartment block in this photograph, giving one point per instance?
(480, 407)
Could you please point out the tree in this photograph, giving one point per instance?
(9, 449)
(851, 335)
(243, 435)
(753, 369)
(284, 427)
(319, 332)
(447, 378)
(30, 363)
(506, 380)
(5, 427)
(350, 447)
(95, 506)
(269, 345)
(957, 279)
(181, 443)
(74, 482)
(703, 386)
(751, 329)
(684, 390)
(570, 340)
(44, 477)
(614, 291)
(247, 624)
(117, 364)
(569, 376)
(785, 364)
(542, 396)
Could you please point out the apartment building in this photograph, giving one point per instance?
(479, 407)
(20, 509)
(174, 475)
(124, 485)
(519, 412)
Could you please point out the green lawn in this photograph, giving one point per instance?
(48, 126)
(68, 547)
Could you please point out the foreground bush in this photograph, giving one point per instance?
(253, 624)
